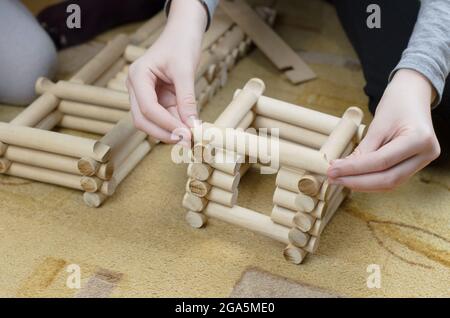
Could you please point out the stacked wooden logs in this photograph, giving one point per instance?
(307, 140)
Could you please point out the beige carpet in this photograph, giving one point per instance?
(139, 245)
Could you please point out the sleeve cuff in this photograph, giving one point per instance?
(209, 11)
(427, 67)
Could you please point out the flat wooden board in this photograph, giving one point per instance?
(270, 43)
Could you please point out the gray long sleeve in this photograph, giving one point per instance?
(428, 51)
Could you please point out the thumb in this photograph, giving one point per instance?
(186, 102)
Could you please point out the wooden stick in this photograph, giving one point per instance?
(85, 125)
(198, 188)
(110, 73)
(203, 153)
(313, 245)
(84, 93)
(248, 219)
(319, 210)
(207, 60)
(4, 165)
(88, 166)
(109, 187)
(333, 206)
(228, 42)
(303, 221)
(49, 141)
(91, 111)
(131, 162)
(196, 220)
(294, 254)
(224, 181)
(298, 238)
(343, 134)
(194, 203)
(294, 201)
(200, 85)
(117, 85)
(199, 171)
(91, 184)
(310, 184)
(133, 52)
(298, 115)
(36, 111)
(42, 159)
(94, 200)
(223, 197)
(51, 121)
(44, 175)
(226, 161)
(247, 121)
(289, 154)
(148, 28)
(120, 134)
(219, 26)
(102, 61)
(292, 133)
(120, 154)
(241, 104)
(289, 179)
(283, 216)
(3, 148)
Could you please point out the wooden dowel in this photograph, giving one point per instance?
(51, 121)
(109, 187)
(289, 179)
(194, 203)
(224, 181)
(283, 216)
(110, 73)
(343, 134)
(199, 171)
(292, 133)
(219, 26)
(148, 28)
(226, 161)
(333, 206)
(200, 85)
(133, 52)
(319, 210)
(86, 125)
(3, 148)
(247, 121)
(207, 60)
(290, 154)
(120, 134)
(313, 245)
(44, 175)
(304, 221)
(293, 201)
(4, 165)
(84, 93)
(91, 184)
(94, 200)
(91, 111)
(298, 238)
(294, 254)
(198, 188)
(42, 159)
(131, 162)
(228, 42)
(196, 220)
(241, 104)
(297, 115)
(203, 153)
(36, 111)
(88, 166)
(310, 184)
(223, 197)
(117, 85)
(248, 219)
(102, 61)
(120, 154)
(49, 141)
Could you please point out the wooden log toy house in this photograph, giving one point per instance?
(95, 101)
(303, 200)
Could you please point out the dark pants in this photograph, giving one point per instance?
(380, 51)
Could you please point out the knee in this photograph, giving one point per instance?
(24, 68)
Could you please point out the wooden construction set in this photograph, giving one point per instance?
(303, 200)
(95, 101)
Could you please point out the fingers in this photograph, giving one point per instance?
(385, 180)
(392, 153)
(147, 126)
(185, 93)
(143, 84)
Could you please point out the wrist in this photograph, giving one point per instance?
(188, 19)
(412, 81)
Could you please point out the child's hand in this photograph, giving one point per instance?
(161, 83)
(400, 141)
